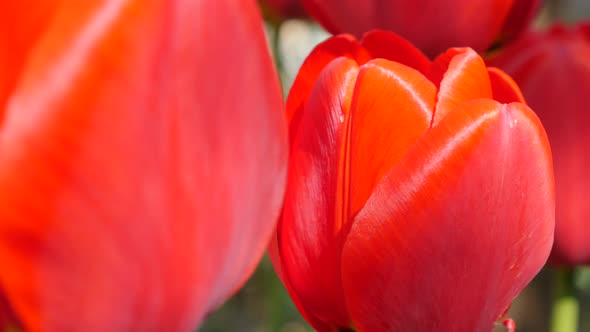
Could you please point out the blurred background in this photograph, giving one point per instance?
(263, 305)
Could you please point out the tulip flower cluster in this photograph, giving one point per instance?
(147, 161)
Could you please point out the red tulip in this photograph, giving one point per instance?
(432, 25)
(553, 69)
(420, 194)
(142, 159)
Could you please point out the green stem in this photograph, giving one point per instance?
(583, 288)
(566, 309)
(275, 45)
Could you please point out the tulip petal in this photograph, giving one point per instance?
(275, 257)
(7, 319)
(434, 25)
(316, 61)
(553, 71)
(322, 15)
(504, 88)
(431, 25)
(391, 108)
(17, 37)
(583, 28)
(461, 76)
(457, 228)
(309, 232)
(141, 176)
(519, 19)
(388, 45)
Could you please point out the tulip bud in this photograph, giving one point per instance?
(420, 194)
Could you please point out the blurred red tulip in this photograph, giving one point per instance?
(553, 69)
(280, 10)
(432, 25)
(420, 195)
(142, 160)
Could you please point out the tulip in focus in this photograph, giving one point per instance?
(432, 25)
(142, 161)
(420, 194)
(553, 69)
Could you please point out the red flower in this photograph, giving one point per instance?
(553, 69)
(142, 159)
(432, 25)
(420, 194)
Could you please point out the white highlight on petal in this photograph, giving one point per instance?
(30, 104)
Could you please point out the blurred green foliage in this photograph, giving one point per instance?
(583, 285)
(262, 305)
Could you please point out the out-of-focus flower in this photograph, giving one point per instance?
(142, 160)
(553, 69)
(432, 25)
(420, 195)
(280, 10)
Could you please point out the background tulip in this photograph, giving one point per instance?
(142, 160)
(553, 69)
(432, 25)
(420, 195)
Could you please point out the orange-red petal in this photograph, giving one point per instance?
(312, 67)
(309, 232)
(457, 229)
(141, 175)
(504, 89)
(391, 108)
(461, 76)
(275, 258)
(18, 36)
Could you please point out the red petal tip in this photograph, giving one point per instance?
(510, 325)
